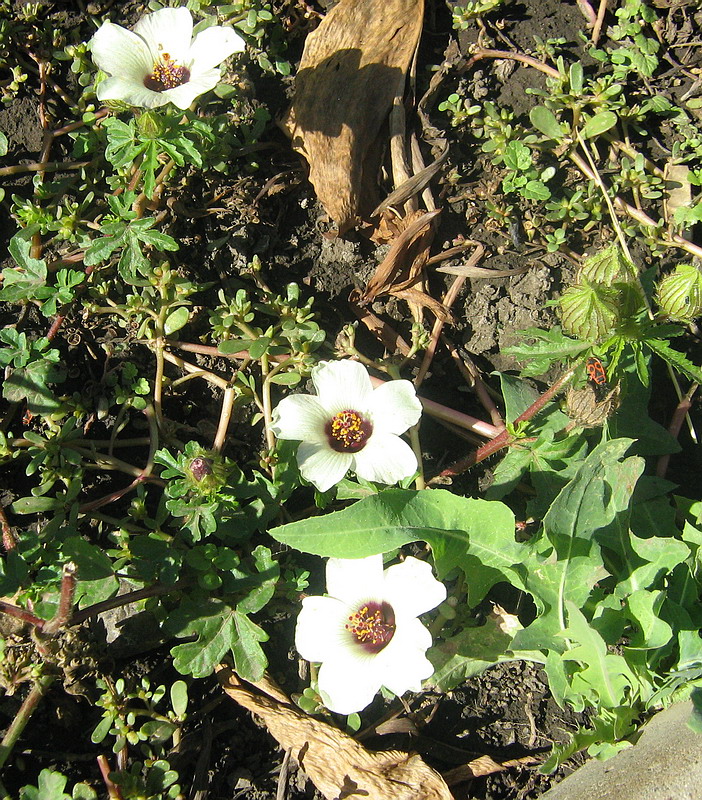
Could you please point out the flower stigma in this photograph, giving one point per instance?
(372, 626)
(166, 75)
(348, 431)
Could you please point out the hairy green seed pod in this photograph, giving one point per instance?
(680, 294)
(590, 312)
(607, 267)
(151, 124)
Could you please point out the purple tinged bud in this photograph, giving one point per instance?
(200, 468)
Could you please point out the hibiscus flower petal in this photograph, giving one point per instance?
(118, 51)
(183, 95)
(322, 466)
(212, 46)
(403, 663)
(412, 586)
(395, 407)
(129, 91)
(351, 579)
(348, 685)
(300, 417)
(320, 625)
(386, 459)
(169, 30)
(342, 385)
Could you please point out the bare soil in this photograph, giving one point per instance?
(507, 712)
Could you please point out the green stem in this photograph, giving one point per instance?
(266, 401)
(19, 723)
(225, 416)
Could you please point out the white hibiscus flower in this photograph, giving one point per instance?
(350, 425)
(159, 62)
(366, 633)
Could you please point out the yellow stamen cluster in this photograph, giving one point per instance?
(372, 626)
(349, 431)
(166, 74)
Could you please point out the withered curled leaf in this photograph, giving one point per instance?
(352, 67)
(338, 765)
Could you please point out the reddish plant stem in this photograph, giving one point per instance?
(113, 791)
(588, 12)
(676, 423)
(121, 600)
(505, 438)
(38, 166)
(473, 378)
(21, 613)
(521, 57)
(9, 540)
(597, 29)
(484, 429)
(73, 126)
(66, 599)
(144, 475)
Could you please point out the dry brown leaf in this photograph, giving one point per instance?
(679, 190)
(352, 67)
(484, 765)
(338, 765)
(390, 338)
(407, 256)
(423, 300)
(466, 271)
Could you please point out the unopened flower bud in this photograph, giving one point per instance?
(589, 311)
(200, 468)
(680, 294)
(151, 124)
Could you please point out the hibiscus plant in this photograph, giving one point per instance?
(200, 449)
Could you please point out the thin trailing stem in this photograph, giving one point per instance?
(66, 599)
(225, 417)
(597, 28)
(22, 614)
(143, 475)
(215, 380)
(37, 166)
(121, 600)
(113, 791)
(679, 416)
(473, 378)
(448, 301)
(507, 437)
(530, 61)
(266, 401)
(19, 723)
(9, 540)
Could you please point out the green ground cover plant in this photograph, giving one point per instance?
(118, 499)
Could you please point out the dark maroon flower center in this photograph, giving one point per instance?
(372, 626)
(348, 431)
(166, 75)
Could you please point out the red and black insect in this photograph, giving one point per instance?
(597, 375)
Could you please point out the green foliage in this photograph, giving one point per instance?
(124, 481)
(143, 141)
(123, 232)
(31, 280)
(134, 716)
(601, 569)
(51, 786)
(30, 367)
(464, 13)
